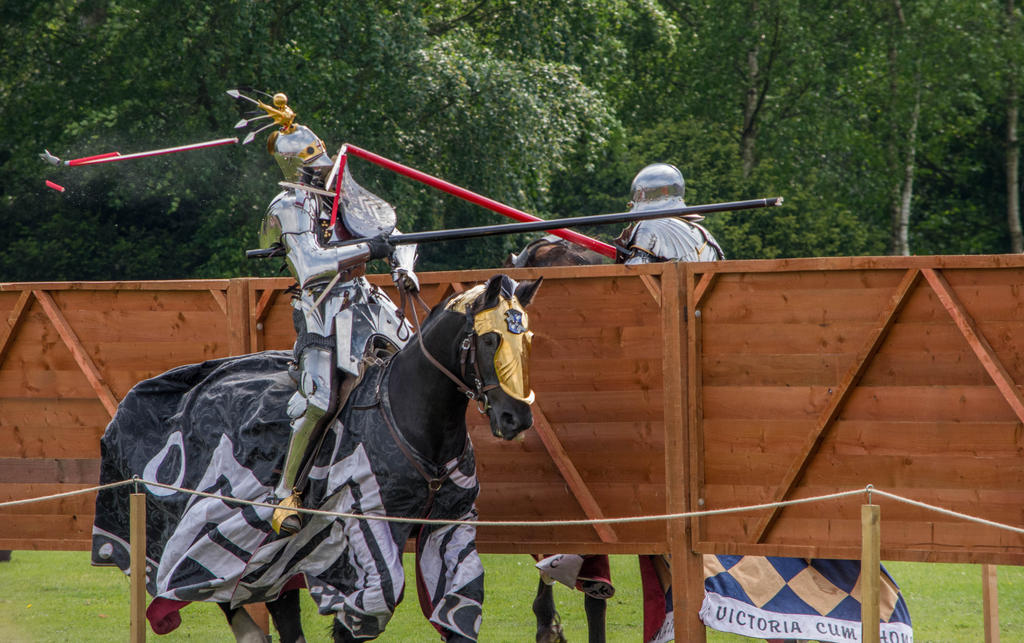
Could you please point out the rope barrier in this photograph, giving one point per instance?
(868, 490)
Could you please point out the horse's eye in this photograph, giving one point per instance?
(490, 340)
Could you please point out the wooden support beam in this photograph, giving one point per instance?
(706, 281)
(839, 397)
(571, 475)
(238, 317)
(976, 340)
(687, 564)
(653, 285)
(78, 352)
(870, 579)
(990, 600)
(222, 302)
(8, 331)
(266, 299)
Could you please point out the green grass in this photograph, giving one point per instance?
(57, 596)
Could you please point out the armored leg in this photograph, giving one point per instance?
(310, 406)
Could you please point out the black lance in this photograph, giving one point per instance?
(548, 224)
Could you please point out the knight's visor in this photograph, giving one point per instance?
(510, 322)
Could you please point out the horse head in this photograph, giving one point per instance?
(497, 349)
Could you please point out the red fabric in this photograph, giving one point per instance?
(163, 615)
(654, 597)
(595, 567)
(421, 590)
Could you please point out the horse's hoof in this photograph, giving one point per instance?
(551, 634)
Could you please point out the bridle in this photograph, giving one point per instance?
(467, 357)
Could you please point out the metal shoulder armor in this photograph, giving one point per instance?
(672, 239)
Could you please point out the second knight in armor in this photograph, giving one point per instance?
(655, 187)
(341, 320)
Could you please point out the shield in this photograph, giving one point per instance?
(364, 213)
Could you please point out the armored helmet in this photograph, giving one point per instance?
(297, 148)
(657, 186)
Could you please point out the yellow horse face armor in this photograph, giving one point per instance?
(510, 322)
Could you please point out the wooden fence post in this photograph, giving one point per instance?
(137, 553)
(990, 598)
(238, 316)
(870, 584)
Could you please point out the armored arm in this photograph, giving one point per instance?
(290, 223)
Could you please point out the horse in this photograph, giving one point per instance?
(399, 448)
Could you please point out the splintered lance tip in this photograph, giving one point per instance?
(54, 186)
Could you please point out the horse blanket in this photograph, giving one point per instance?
(796, 598)
(221, 427)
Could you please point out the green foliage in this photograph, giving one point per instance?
(551, 107)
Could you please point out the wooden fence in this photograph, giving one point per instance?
(660, 388)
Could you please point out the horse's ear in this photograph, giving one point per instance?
(526, 290)
(491, 293)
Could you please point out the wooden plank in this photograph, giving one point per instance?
(1004, 382)
(613, 406)
(17, 441)
(875, 403)
(790, 306)
(595, 373)
(815, 369)
(78, 504)
(723, 437)
(8, 331)
(67, 334)
(48, 470)
(44, 526)
(812, 264)
(839, 397)
(45, 544)
(148, 326)
(572, 477)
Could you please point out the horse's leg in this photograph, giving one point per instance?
(242, 625)
(595, 608)
(549, 627)
(287, 617)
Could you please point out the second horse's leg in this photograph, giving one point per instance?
(287, 615)
(549, 627)
(595, 608)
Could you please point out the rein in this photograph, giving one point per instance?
(467, 355)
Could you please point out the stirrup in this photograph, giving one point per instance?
(285, 517)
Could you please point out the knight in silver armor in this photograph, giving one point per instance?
(341, 321)
(655, 187)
